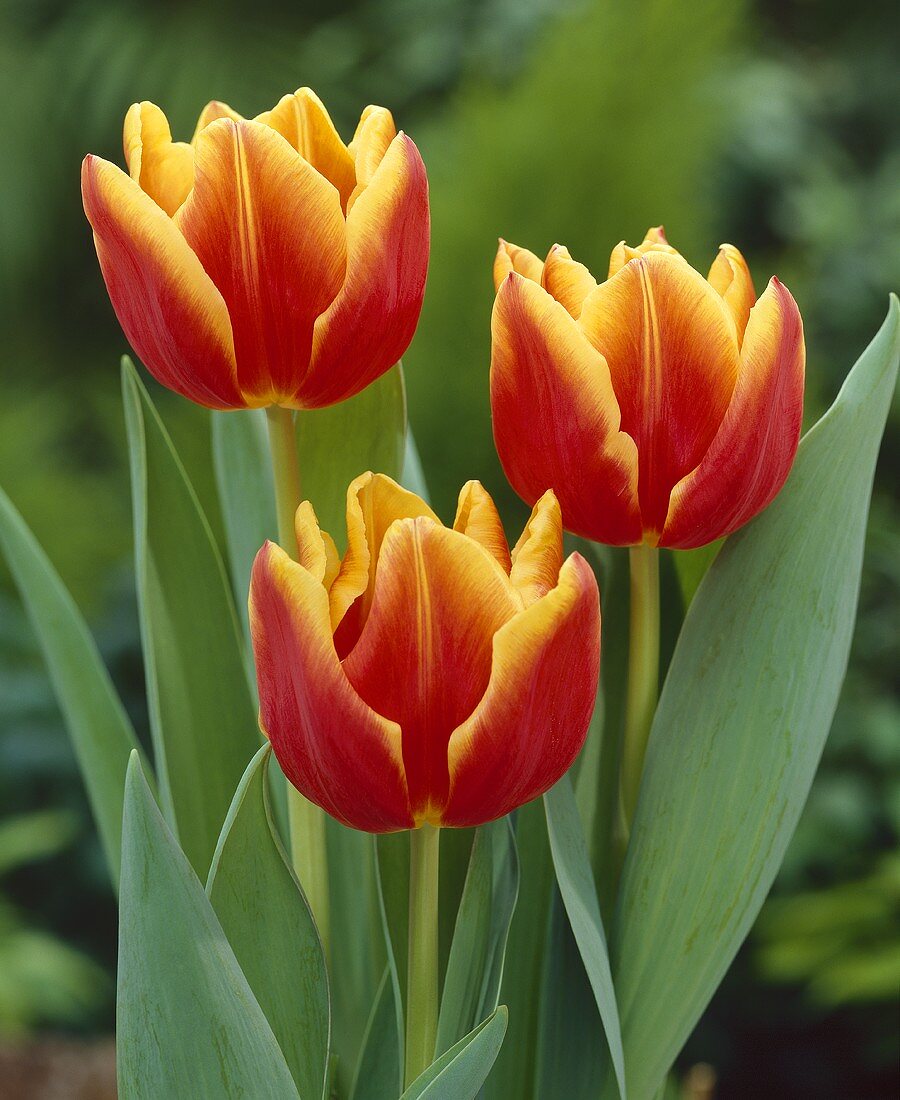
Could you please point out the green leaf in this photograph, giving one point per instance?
(391, 863)
(246, 493)
(475, 967)
(379, 1074)
(187, 1022)
(741, 724)
(461, 1071)
(579, 895)
(337, 444)
(100, 730)
(268, 923)
(413, 477)
(201, 715)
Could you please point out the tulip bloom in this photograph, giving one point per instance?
(430, 675)
(663, 408)
(264, 263)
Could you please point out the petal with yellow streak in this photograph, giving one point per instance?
(477, 517)
(316, 551)
(330, 744)
(510, 257)
(213, 111)
(532, 720)
(162, 167)
(654, 241)
(555, 416)
(537, 556)
(730, 277)
(374, 135)
(170, 310)
(752, 453)
(566, 280)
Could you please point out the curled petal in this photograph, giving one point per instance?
(423, 659)
(162, 167)
(654, 241)
(510, 257)
(752, 453)
(316, 551)
(730, 277)
(302, 119)
(369, 325)
(270, 233)
(673, 357)
(214, 110)
(173, 315)
(556, 419)
(477, 517)
(537, 556)
(566, 280)
(330, 744)
(532, 720)
(374, 136)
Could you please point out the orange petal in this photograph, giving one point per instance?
(162, 167)
(374, 501)
(211, 112)
(752, 453)
(477, 517)
(374, 135)
(556, 420)
(173, 316)
(532, 720)
(330, 744)
(654, 241)
(730, 277)
(568, 281)
(372, 320)
(316, 551)
(269, 231)
(423, 659)
(302, 119)
(673, 357)
(510, 257)
(537, 556)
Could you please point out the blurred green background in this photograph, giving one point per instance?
(772, 124)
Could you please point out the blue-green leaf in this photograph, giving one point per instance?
(461, 1071)
(100, 730)
(187, 1022)
(203, 721)
(379, 1074)
(268, 923)
(741, 723)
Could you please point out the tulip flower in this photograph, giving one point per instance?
(429, 676)
(265, 262)
(662, 407)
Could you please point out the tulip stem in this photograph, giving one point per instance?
(422, 977)
(306, 822)
(643, 672)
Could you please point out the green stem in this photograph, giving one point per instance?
(306, 821)
(422, 979)
(643, 672)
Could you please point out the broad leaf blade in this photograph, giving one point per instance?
(101, 733)
(579, 895)
(741, 724)
(186, 1018)
(202, 718)
(268, 923)
(461, 1071)
(475, 967)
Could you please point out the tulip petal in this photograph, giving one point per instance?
(556, 419)
(423, 659)
(566, 280)
(316, 551)
(330, 744)
(374, 136)
(372, 320)
(374, 501)
(730, 277)
(673, 357)
(752, 453)
(162, 167)
(654, 241)
(172, 314)
(510, 257)
(214, 110)
(532, 720)
(537, 556)
(302, 120)
(270, 233)
(477, 517)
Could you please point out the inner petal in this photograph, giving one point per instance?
(423, 658)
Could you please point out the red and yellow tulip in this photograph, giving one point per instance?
(662, 407)
(430, 675)
(265, 262)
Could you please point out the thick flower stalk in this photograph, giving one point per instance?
(430, 676)
(662, 407)
(265, 262)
